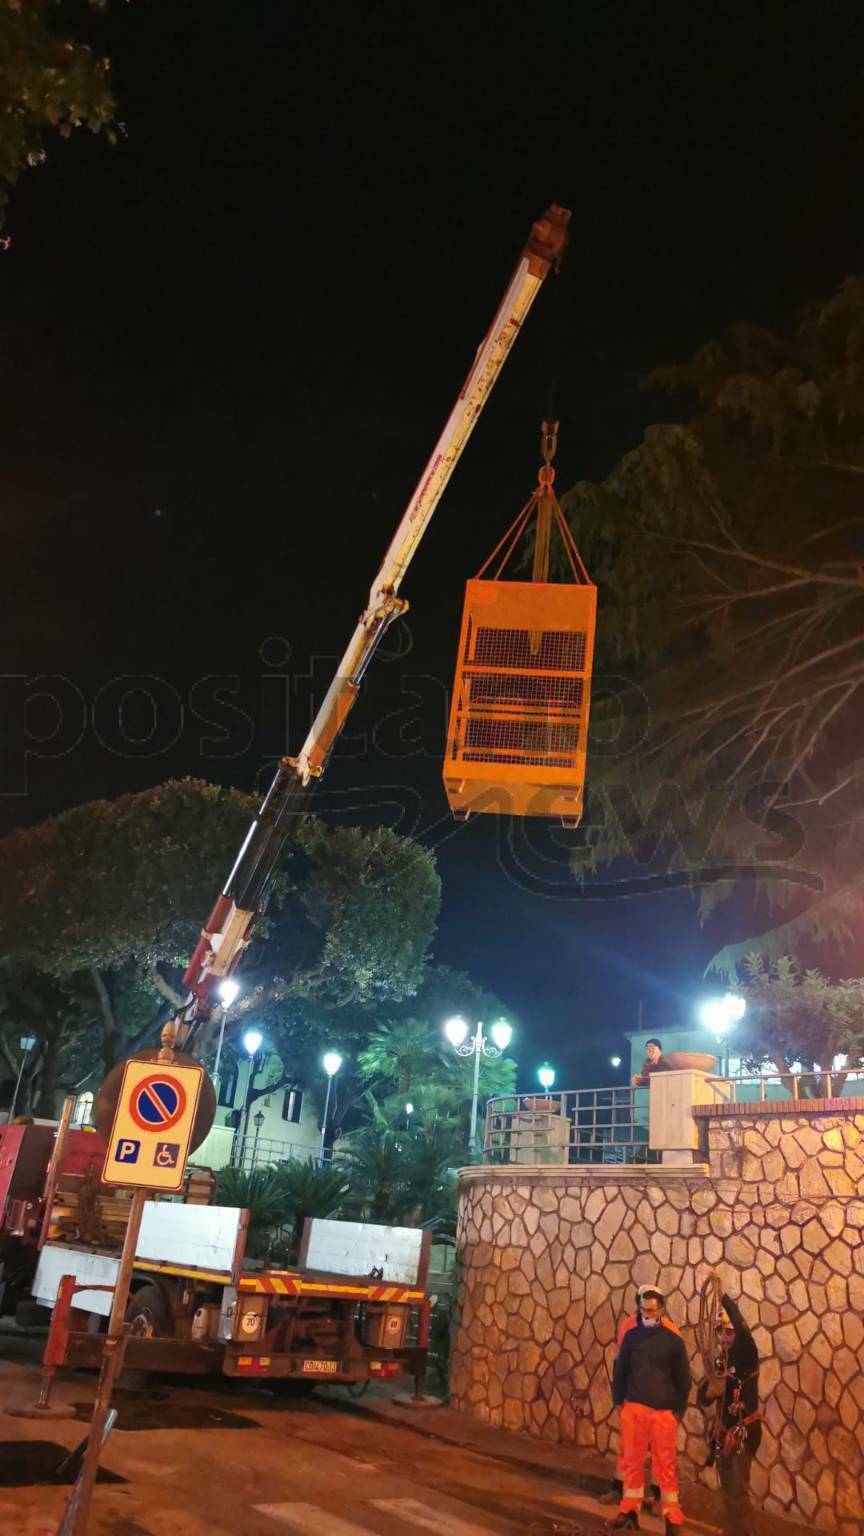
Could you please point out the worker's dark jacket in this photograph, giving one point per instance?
(741, 1390)
(649, 1067)
(652, 1368)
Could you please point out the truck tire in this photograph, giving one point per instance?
(148, 1312)
(29, 1314)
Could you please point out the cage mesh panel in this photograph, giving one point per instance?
(499, 688)
(558, 650)
(523, 759)
(491, 737)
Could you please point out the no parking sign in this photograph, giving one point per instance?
(149, 1141)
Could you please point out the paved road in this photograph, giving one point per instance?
(238, 1462)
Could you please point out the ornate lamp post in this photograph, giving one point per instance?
(457, 1032)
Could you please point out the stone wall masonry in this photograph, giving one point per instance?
(550, 1258)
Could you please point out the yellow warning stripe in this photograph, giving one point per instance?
(274, 1285)
(220, 1276)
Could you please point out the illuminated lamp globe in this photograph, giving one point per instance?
(546, 1076)
(229, 991)
(331, 1062)
(720, 1013)
(456, 1031)
(252, 1041)
(502, 1034)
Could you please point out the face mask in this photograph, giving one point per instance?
(650, 1322)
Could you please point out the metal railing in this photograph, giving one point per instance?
(253, 1151)
(610, 1125)
(761, 1087)
(584, 1125)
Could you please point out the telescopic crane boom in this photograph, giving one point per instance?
(230, 925)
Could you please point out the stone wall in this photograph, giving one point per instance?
(550, 1257)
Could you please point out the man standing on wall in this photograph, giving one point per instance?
(654, 1061)
(734, 1423)
(650, 1384)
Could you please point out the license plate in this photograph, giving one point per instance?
(320, 1367)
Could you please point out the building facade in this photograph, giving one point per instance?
(281, 1125)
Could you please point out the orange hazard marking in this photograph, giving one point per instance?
(288, 1284)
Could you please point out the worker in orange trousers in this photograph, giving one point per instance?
(634, 1320)
(650, 1384)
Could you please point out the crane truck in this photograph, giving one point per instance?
(356, 1305)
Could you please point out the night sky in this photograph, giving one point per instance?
(229, 343)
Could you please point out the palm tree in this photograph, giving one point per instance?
(309, 1190)
(374, 1160)
(260, 1192)
(402, 1052)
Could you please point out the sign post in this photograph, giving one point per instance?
(77, 1512)
(148, 1147)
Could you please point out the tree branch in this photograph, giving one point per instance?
(109, 1021)
(817, 578)
(164, 988)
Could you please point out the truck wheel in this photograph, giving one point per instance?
(148, 1312)
(29, 1314)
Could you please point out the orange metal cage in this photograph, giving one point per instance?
(516, 743)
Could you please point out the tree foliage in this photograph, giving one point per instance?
(105, 903)
(404, 1053)
(729, 556)
(409, 1058)
(279, 1200)
(49, 82)
(796, 1016)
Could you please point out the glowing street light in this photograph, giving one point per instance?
(229, 991)
(457, 1032)
(252, 1043)
(546, 1076)
(615, 1061)
(719, 1014)
(331, 1061)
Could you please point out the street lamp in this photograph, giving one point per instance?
(229, 991)
(546, 1076)
(331, 1061)
(615, 1061)
(252, 1039)
(457, 1032)
(719, 1014)
(409, 1110)
(27, 1043)
(257, 1121)
(252, 1042)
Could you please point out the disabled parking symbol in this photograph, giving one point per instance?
(167, 1154)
